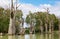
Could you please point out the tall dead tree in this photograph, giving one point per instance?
(11, 30)
(46, 23)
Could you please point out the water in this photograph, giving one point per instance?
(32, 36)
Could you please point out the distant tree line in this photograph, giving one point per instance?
(35, 20)
(38, 20)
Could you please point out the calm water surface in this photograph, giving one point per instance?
(33, 36)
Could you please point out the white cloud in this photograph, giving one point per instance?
(29, 7)
(6, 3)
(54, 9)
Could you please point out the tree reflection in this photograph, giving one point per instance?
(50, 36)
(41, 36)
(46, 36)
(11, 37)
(1, 37)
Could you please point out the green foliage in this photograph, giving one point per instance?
(42, 16)
(5, 18)
(32, 18)
(19, 14)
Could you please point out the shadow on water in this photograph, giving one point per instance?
(33, 36)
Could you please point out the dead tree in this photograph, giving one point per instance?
(11, 30)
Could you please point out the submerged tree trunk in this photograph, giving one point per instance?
(11, 30)
(50, 28)
(21, 28)
(47, 19)
(11, 27)
(41, 26)
(31, 28)
(46, 28)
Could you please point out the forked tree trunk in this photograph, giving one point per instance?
(50, 28)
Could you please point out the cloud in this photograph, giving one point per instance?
(54, 9)
(29, 7)
(6, 3)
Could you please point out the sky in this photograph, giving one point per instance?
(34, 6)
(38, 2)
(39, 5)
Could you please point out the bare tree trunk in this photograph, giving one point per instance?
(11, 27)
(41, 27)
(11, 30)
(47, 19)
(21, 28)
(46, 28)
(50, 28)
(31, 28)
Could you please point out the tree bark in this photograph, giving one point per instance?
(50, 28)
(31, 28)
(11, 27)
(11, 30)
(41, 26)
(46, 28)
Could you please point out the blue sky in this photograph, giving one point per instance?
(39, 5)
(38, 2)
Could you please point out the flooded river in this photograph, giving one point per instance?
(32, 36)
